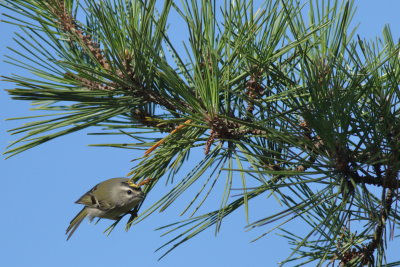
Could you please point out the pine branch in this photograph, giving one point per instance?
(69, 25)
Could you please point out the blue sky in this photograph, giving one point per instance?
(38, 189)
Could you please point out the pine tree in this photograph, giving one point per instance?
(299, 109)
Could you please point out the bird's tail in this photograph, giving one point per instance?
(76, 222)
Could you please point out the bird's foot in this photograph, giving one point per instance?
(133, 214)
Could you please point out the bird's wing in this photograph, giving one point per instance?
(104, 205)
(88, 199)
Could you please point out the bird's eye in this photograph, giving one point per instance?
(129, 192)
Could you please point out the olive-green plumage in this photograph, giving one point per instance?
(109, 199)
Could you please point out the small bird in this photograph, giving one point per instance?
(109, 199)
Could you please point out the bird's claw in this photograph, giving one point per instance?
(133, 214)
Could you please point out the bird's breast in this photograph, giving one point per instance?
(113, 213)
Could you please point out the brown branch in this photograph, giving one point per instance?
(210, 141)
(366, 253)
(390, 183)
(344, 164)
(254, 90)
(70, 26)
(227, 129)
(145, 119)
(371, 180)
(156, 98)
(91, 85)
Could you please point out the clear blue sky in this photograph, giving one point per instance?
(38, 189)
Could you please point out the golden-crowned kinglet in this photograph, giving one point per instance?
(109, 199)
